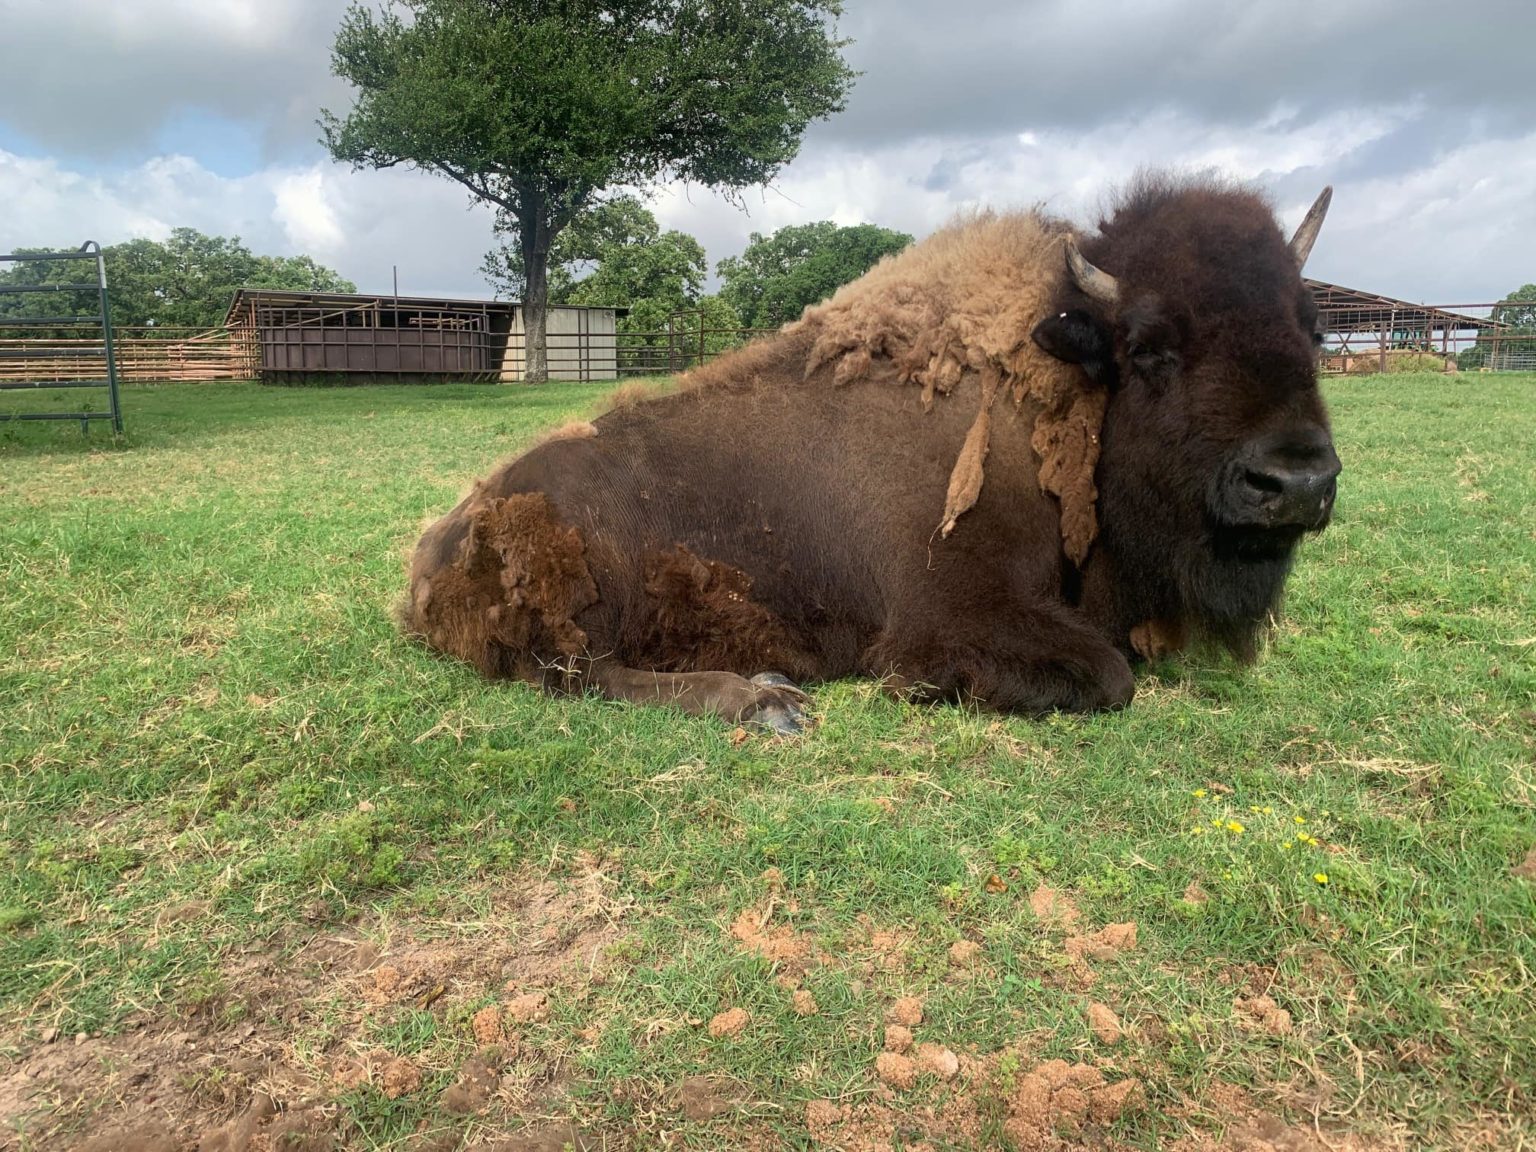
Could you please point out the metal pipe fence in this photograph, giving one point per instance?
(92, 360)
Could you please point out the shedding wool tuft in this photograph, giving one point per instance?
(963, 302)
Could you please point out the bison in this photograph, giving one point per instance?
(1000, 467)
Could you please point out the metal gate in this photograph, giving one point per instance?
(46, 348)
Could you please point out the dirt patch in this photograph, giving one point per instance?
(804, 1003)
(1105, 944)
(479, 1077)
(706, 1097)
(777, 943)
(1054, 907)
(1261, 1012)
(229, 1077)
(964, 953)
(1058, 1097)
(1054, 1106)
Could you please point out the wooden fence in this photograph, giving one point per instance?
(143, 354)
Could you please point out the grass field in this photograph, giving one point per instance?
(274, 877)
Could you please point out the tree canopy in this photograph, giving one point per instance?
(1518, 311)
(185, 281)
(540, 107)
(777, 276)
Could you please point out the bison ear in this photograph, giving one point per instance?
(1077, 338)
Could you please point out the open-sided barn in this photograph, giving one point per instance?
(294, 334)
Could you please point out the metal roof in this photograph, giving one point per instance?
(1351, 310)
(283, 298)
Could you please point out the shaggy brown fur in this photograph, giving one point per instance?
(963, 472)
(512, 587)
(962, 303)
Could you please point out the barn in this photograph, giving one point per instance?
(292, 335)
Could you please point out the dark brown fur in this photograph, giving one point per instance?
(783, 510)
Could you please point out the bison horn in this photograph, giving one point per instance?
(1095, 283)
(1306, 235)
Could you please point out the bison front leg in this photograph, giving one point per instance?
(1033, 660)
(767, 700)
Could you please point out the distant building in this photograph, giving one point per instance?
(290, 335)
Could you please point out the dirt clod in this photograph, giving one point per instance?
(821, 1115)
(399, 1077)
(1057, 1096)
(1263, 1012)
(907, 1011)
(896, 1070)
(1105, 1024)
(527, 1008)
(803, 1003)
(486, 1025)
(898, 1038)
(938, 1060)
(730, 1023)
(1105, 944)
(1195, 894)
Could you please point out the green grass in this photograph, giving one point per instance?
(214, 747)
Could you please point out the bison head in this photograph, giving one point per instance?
(1189, 307)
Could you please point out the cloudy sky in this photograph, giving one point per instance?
(202, 113)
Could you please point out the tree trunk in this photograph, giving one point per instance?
(535, 238)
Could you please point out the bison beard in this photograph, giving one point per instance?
(903, 484)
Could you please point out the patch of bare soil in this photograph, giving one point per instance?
(777, 943)
(229, 1079)
(1105, 944)
(704, 1098)
(1056, 908)
(1051, 1108)
(1262, 1013)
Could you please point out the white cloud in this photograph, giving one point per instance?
(308, 218)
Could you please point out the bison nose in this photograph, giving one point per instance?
(1293, 485)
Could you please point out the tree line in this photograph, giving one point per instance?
(617, 255)
(184, 281)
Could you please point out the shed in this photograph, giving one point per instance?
(285, 335)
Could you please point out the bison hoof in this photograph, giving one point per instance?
(779, 707)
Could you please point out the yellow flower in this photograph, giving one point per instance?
(1320, 877)
(1234, 827)
(1197, 830)
(1198, 792)
(1300, 819)
(1253, 807)
(1288, 845)
(1268, 811)
(1215, 823)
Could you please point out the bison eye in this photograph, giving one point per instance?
(1318, 338)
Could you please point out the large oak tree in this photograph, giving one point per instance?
(539, 107)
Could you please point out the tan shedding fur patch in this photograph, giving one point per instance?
(963, 303)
